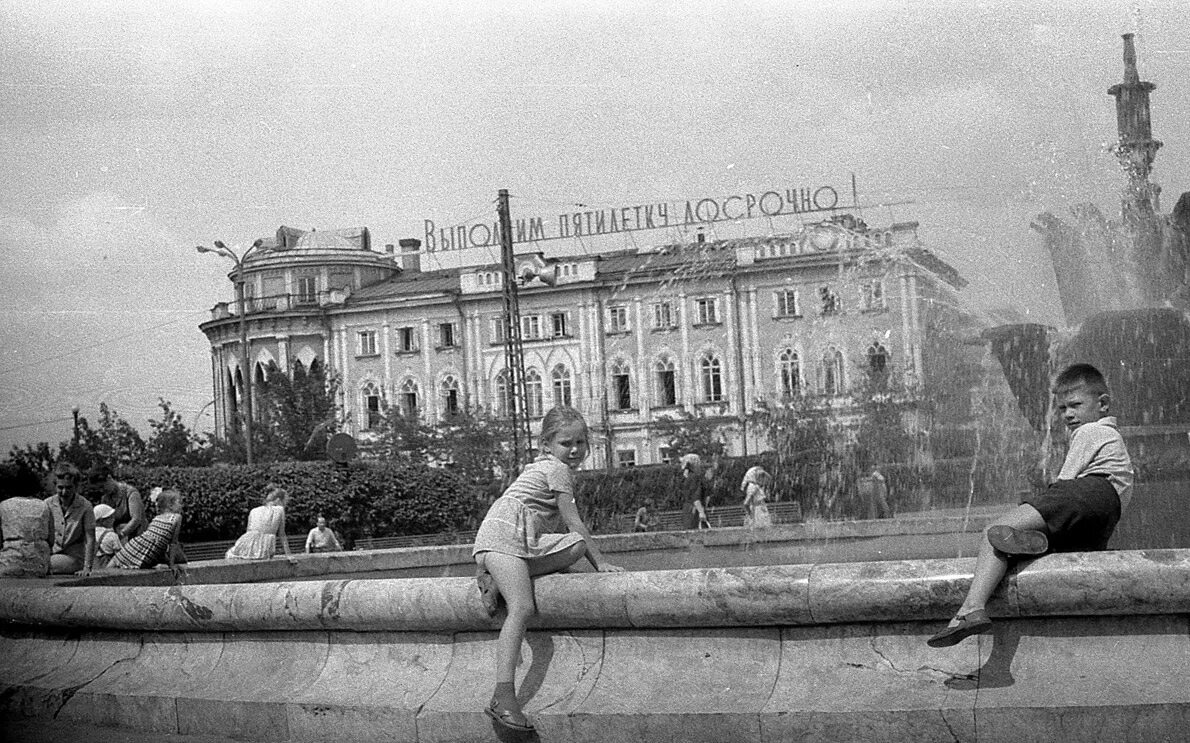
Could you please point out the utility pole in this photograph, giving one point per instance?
(514, 353)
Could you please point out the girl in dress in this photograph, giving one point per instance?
(266, 526)
(156, 544)
(533, 529)
(755, 487)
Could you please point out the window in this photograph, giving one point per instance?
(307, 289)
(832, 372)
(406, 340)
(371, 406)
(789, 367)
(408, 398)
(250, 304)
(788, 303)
(626, 458)
(530, 327)
(621, 386)
(667, 455)
(712, 378)
(617, 319)
(877, 358)
(708, 311)
(563, 394)
(498, 330)
(365, 343)
(449, 392)
(447, 335)
(663, 316)
(667, 388)
(873, 295)
(558, 325)
(533, 394)
(830, 301)
(504, 401)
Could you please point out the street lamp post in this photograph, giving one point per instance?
(238, 260)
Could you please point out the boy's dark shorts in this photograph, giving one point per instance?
(1080, 514)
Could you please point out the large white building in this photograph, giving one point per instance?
(707, 329)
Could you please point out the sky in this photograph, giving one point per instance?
(135, 131)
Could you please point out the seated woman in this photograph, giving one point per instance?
(646, 518)
(156, 544)
(266, 525)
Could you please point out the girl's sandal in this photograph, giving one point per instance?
(489, 594)
(509, 719)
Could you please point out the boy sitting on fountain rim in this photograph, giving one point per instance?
(1076, 513)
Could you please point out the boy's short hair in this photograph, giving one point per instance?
(1081, 375)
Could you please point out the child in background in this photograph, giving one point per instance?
(531, 530)
(107, 542)
(1077, 513)
(157, 543)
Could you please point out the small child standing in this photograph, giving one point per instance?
(1076, 513)
(531, 530)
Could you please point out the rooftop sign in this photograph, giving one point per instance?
(596, 221)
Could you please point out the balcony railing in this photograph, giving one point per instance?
(278, 303)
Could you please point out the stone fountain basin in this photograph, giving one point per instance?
(1086, 646)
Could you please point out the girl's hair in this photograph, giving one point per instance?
(556, 419)
(168, 500)
(275, 495)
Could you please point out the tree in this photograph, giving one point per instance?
(687, 434)
(172, 443)
(289, 411)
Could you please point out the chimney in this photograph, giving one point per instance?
(390, 248)
(410, 254)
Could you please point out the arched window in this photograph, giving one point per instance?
(712, 378)
(408, 398)
(667, 385)
(503, 395)
(449, 393)
(563, 391)
(877, 358)
(621, 386)
(371, 415)
(790, 369)
(832, 372)
(533, 394)
(235, 384)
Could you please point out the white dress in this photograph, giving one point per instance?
(260, 541)
(760, 518)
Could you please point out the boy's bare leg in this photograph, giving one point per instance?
(991, 564)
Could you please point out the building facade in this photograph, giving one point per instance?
(710, 330)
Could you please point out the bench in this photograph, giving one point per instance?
(784, 512)
(216, 549)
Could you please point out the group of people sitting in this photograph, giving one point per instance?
(93, 521)
(90, 521)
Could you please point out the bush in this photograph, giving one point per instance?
(366, 499)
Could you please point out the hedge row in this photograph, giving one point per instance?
(365, 499)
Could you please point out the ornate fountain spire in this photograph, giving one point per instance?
(1136, 147)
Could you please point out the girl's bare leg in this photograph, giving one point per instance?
(513, 576)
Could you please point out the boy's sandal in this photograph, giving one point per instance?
(489, 594)
(966, 625)
(1012, 541)
(509, 719)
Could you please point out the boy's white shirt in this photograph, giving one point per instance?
(1096, 448)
